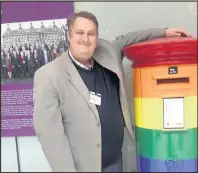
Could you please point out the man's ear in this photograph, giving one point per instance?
(68, 36)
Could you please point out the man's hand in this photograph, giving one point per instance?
(177, 33)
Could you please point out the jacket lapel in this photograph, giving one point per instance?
(104, 59)
(76, 80)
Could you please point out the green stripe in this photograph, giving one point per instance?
(161, 145)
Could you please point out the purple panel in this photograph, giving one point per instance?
(33, 11)
(17, 110)
(153, 165)
(16, 99)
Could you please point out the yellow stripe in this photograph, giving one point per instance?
(149, 113)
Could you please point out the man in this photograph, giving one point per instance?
(15, 60)
(80, 99)
(45, 55)
(9, 65)
(62, 47)
(38, 49)
(36, 60)
(54, 52)
(30, 64)
(19, 67)
(23, 63)
(3, 65)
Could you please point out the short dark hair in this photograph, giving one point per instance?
(84, 14)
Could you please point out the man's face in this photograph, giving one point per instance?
(83, 39)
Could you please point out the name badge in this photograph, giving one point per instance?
(95, 98)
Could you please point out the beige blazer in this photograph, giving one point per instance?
(66, 124)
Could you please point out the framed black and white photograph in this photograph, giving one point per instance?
(27, 46)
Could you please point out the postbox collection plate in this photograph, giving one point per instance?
(173, 113)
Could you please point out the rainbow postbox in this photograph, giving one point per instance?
(165, 97)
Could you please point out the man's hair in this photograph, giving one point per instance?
(71, 19)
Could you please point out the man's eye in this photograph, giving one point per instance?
(80, 33)
(91, 34)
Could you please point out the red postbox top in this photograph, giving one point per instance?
(163, 51)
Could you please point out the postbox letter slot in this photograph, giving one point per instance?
(173, 80)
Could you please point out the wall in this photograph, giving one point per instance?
(114, 18)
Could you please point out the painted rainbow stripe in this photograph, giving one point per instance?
(161, 145)
(149, 112)
(159, 149)
(146, 86)
(145, 164)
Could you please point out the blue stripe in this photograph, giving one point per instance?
(169, 165)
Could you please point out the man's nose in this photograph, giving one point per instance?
(85, 38)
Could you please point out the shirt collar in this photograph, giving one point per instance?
(80, 64)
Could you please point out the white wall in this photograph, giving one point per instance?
(114, 18)
(117, 18)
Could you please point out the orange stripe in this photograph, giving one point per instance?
(145, 82)
(137, 82)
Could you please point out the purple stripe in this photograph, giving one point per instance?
(33, 11)
(169, 165)
(16, 86)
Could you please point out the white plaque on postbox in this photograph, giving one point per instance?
(173, 113)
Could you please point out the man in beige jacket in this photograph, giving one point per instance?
(80, 105)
